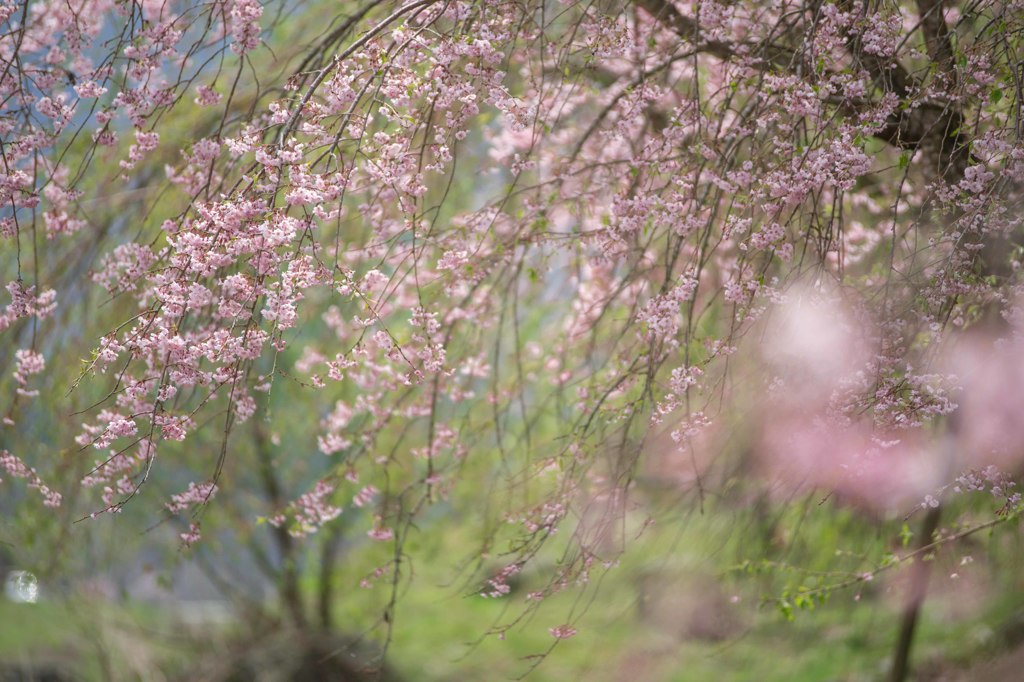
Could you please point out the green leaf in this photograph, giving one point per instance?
(905, 535)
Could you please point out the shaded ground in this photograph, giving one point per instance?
(1002, 667)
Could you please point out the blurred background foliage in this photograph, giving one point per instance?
(740, 584)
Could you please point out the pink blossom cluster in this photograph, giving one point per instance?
(309, 512)
(195, 495)
(18, 469)
(25, 303)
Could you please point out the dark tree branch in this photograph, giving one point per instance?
(918, 587)
(933, 127)
(936, 34)
(688, 29)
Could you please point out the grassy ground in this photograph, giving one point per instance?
(672, 610)
(830, 644)
(438, 637)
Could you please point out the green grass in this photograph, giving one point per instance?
(440, 629)
(639, 620)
